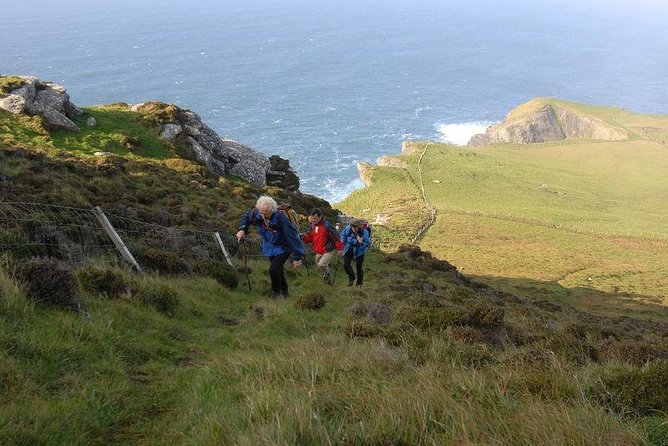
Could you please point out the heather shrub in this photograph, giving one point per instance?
(633, 351)
(162, 261)
(161, 297)
(49, 281)
(217, 270)
(466, 334)
(311, 301)
(486, 315)
(184, 166)
(110, 283)
(362, 328)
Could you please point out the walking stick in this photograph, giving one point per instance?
(243, 254)
(308, 273)
(336, 268)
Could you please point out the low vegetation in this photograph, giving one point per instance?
(426, 357)
(10, 83)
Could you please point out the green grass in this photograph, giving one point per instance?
(118, 130)
(9, 83)
(573, 215)
(394, 194)
(235, 367)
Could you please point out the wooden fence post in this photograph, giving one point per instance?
(216, 236)
(113, 235)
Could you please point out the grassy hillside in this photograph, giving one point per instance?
(418, 359)
(93, 353)
(144, 177)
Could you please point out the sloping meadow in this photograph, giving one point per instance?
(421, 355)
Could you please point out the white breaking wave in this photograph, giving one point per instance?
(460, 134)
(338, 190)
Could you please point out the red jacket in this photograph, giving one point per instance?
(324, 237)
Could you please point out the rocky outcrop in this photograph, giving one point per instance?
(46, 99)
(282, 175)
(409, 148)
(29, 95)
(391, 161)
(221, 156)
(542, 122)
(365, 170)
(247, 163)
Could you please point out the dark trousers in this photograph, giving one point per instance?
(347, 260)
(277, 273)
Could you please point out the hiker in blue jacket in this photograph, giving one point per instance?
(280, 238)
(355, 242)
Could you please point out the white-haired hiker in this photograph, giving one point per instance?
(280, 238)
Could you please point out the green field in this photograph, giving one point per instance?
(576, 214)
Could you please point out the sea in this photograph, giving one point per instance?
(331, 83)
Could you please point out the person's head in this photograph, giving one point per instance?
(266, 206)
(316, 215)
(356, 225)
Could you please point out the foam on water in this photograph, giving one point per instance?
(460, 134)
(338, 190)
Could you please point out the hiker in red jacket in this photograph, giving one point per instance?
(325, 240)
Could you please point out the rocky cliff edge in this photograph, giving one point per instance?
(543, 120)
(28, 95)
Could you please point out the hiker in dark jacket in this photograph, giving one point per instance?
(326, 242)
(355, 242)
(280, 238)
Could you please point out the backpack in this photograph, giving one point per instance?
(290, 213)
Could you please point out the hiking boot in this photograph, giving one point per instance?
(351, 282)
(275, 294)
(285, 294)
(359, 284)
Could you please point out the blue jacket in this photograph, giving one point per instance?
(278, 236)
(350, 242)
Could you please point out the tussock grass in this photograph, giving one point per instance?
(217, 370)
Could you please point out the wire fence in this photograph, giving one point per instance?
(78, 235)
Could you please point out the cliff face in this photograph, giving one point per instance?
(28, 95)
(365, 170)
(537, 121)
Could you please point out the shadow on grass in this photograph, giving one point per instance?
(555, 297)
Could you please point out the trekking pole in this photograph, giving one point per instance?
(308, 273)
(243, 254)
(336, 268)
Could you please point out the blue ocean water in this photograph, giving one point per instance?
(328, 84)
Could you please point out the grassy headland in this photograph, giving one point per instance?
(574, 214)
